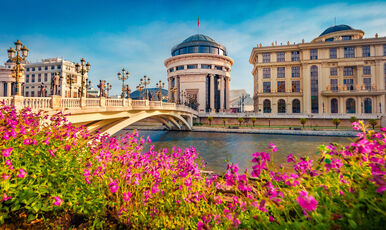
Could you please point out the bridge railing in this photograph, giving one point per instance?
(138, 103)
(92, 102)
(37, 102)
(114, 102)
(70, 103)
(6, 100)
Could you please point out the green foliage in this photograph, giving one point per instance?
(336, 122)
(373, 122)
(303, 121)
(353, 119)
(253, 119)
(210, 119)
(224, 120)
(241, 120)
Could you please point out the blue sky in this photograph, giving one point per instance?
(138, 35)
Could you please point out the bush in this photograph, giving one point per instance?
(253, 119)
(353, 119)
(240, 120)
(224, 121)
(111, 182)
(303, 121)
(210, 119)
(336, 122)
(373, 122)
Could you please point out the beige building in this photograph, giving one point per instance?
(42, 72)
(7, 82)
(339, 72)
(199, 71)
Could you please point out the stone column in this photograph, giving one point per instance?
(9, 89)
(212, 110)
(56, 102)
(177, 83)
(169, 87)
(2, 89)
(227, 95)
(221, 94)
(83, 102)
(102, 102)
(342, 105)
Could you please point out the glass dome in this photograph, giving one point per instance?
(199, 43)
(337, 28)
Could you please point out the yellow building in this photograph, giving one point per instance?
(339, 72)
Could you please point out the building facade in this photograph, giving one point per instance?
(7, 82)
(39, 73)
(199, 72)
(339, 72)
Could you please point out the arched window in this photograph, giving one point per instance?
(350, 105)
(296, 106)
(368, 105)
(334, 105)
(281, 106)
(5, 89)
(267, 106)
(314, 90)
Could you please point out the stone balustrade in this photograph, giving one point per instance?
(92, 102)
(37, 102)
(6, 100)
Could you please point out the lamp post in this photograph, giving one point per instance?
(128, 91)
(122, 77)
(145, 81)
(82, 68)
(160, 85)
(140, 88)
(102, 86)
(172, 90)
(88, 84)
(16, 56)
(70, 80)
(108, 88)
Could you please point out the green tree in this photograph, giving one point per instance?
(336, 122)
(373, 123)
(253, 119)
(210, 119)
(303, 121)
(224, 121)
(241, 120)
(353, 119)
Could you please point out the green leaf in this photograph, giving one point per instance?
(31, 217)
(352, 224)
(328, 161)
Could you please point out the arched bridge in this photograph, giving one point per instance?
(109, 115)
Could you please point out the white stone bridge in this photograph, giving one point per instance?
(109, 115)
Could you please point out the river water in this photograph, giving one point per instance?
(218, 148)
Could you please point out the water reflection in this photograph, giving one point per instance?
(217, 148)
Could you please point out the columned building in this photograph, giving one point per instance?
(7, 82)
(199, 72)
(339, 72)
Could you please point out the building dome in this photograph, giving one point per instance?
(337, 28)
(199, 43)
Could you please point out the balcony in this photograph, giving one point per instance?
(357, 91)
(273, 93)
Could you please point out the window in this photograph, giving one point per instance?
(368, 105)
(349, 83)
(205, 66)
(346, 38)
(266, 57)
(266, 87)
(59, 67)
(27, 78)
(367, 83)
(33, 68)
(365, 51)
(39, 77)
(281, 106)
(334, 105)
(27, 69)
(267, 106)
(192, 66)
(333, 53)
(296, 106)
(348, 71)
(171, 70)
(39, 68)
(213, 50)
(366, 70)
(26, 94)
(329, 40)
(349, 52)
(333, 71)
(266, 73)
(203, 49)
(295, 56)
(295, 86)
(53, 67)
(181, 67)
(45, 77)
(32, 93)
(281, 86)
(334, 84)
(313, 54)
(45, 67)
(193, 49)
(280, 72)
(280, 57)
(314, 90)
(218, 67)
(384, 50)
(33, 78)
(350, 105)
(296, 71)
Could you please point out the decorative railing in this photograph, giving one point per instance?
(70, 102)
(37, 102)
(6, 100)
(114, 102)
(138, 103)
(155, 103)
(92, 102)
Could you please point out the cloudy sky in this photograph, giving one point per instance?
(139, 35)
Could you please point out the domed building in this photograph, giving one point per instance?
(199, 74)
(338, 73)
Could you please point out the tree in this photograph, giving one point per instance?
(303, 121)
(224, 121)
(373, 122)
(241, 120)
(336, 122)
(253, 119)
(353, 119)
(210, 119)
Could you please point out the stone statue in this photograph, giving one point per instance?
(55, 84)
(128, 91)
(102, 88)
(43, 90)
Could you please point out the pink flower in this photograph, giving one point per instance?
(113, 186)
(188, 182)
(7, 152)
(200, 225)
(67, 148)
(5, 136)
(5, 176)
(5, 197)
(290, 158)
(126, 196)
(271, 219)
(22, 173)
(58, 201)
(47, 142)
(273, 147)
(27, 141)
(51, 152)
(383, 129)
(307, 203)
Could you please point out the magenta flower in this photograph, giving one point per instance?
(7, 152)
(271, 219)
(67, 148)
(51, 152)
(113, 187)
(47, 141)
(5, 197)
(27, 141)
(58, 201)
(126, 196)
(5, 136)
(272, 147)
(307, 203)
(200, 225)
(290, 158)
(22, 173)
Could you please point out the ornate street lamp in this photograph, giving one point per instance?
(145, 81)
(172, 90)
(160, 85)
(140, 88)
(122, 77)
(102, 87)
(70, 79)
(108, 88)
(88, 84)
(128, 91)
(17, 70)
(82, 68)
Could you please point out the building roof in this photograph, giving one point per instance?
(152, 92)
(337, 28)
(198, 40)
